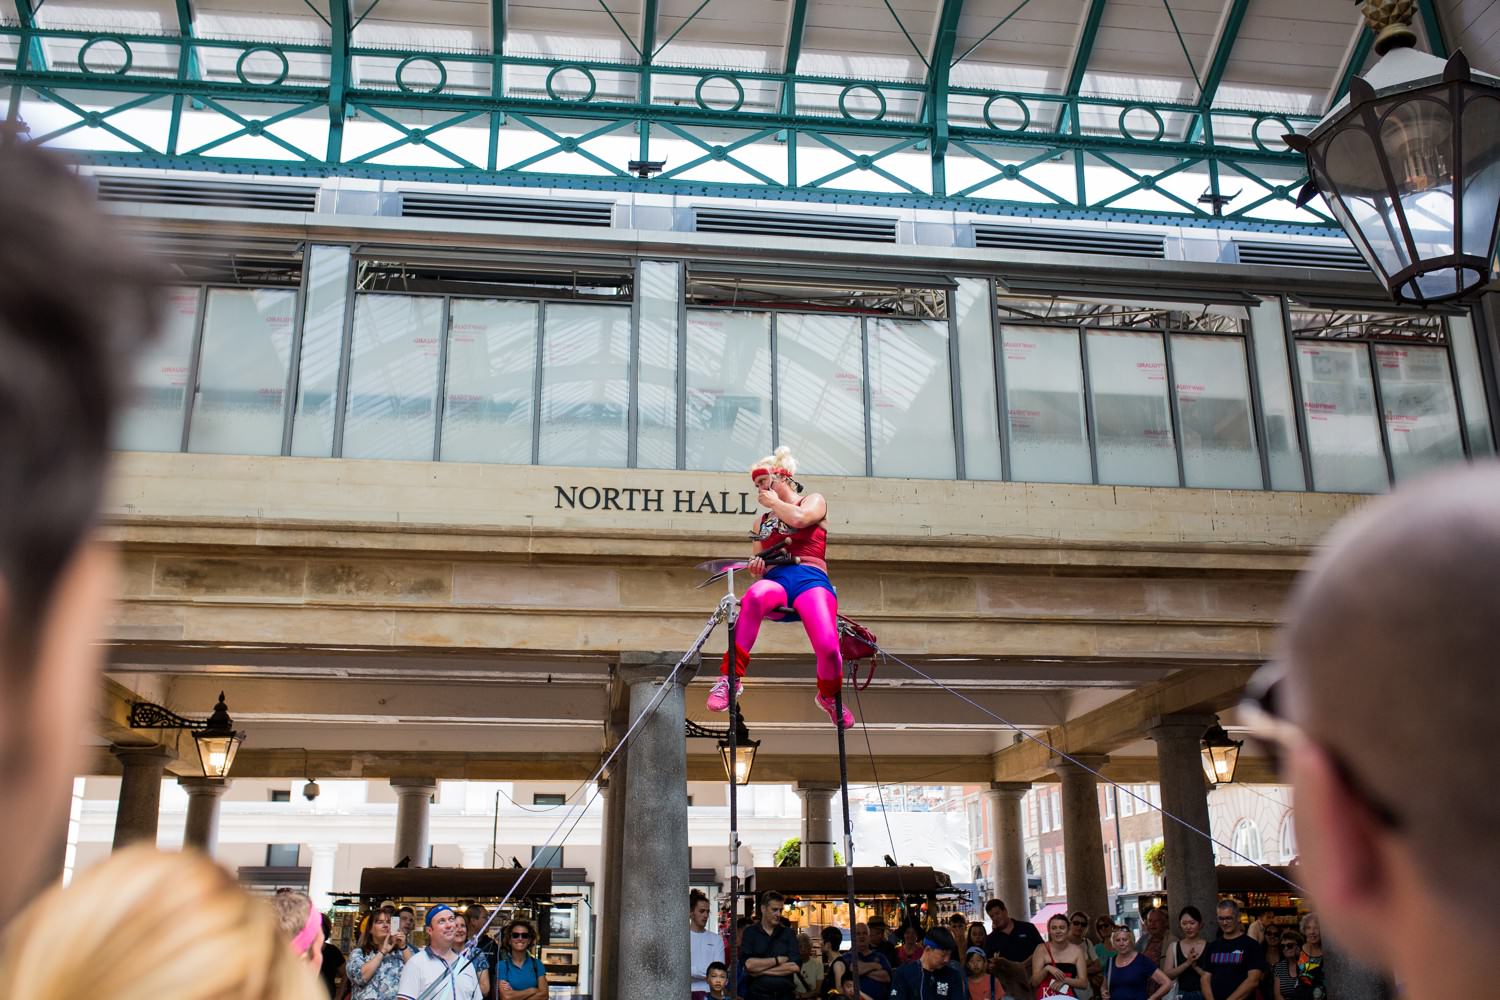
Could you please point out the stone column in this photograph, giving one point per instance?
(1008, 847)
(202, 828)
(1190, 877)
(607, 895)
(140, 793)
(1083, 844)
(413, 802)
(654, 856)
(320, 876)
(817, 823)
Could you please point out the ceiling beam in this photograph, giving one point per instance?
(650, 17)
(1432, 23)
(939, 71)
(1220, 62)
(1144, 771)
(339, 74)
(187, 68)
(796, 28)
(498, 26)
(1081, 54)
(1123, 721)
(31, 56)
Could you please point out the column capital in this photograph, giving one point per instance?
(210, 787)
(640, 667)
(154, 755)
(1180, 727)
(323, 850)
(805, 787)
(1009, 789)
(1076, 764)
(414, 786)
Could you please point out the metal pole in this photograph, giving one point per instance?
(734, 813)
(838, 708)
(495, 831)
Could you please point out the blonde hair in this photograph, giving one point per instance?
(781, 460)
(181, 928)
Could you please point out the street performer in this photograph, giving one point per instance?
(790, 542)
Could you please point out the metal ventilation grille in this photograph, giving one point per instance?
(1344, 258)
(215, 194)
(795, 225)
(529, 211)
(1106, 242)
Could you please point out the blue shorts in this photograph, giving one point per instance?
(798, 580)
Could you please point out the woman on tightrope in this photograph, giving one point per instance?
(795, 525)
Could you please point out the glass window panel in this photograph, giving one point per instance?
(1339, 400)
(393, 371)
(1132, 417)
(159, 386)
(1213, 409)
(1048, 428)
(820, 389)
(911, 399)
(973, 316)
(1421, 411)
(660, 292)
(1278, 408)
(322, 343)
(585, 385)
(1471, 385)
(247, 346)
(728, 389)
(489, 399)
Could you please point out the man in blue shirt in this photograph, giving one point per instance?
(870, 965)
(931, 977)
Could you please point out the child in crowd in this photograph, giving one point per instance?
(718, 981)
(982, 985)
(849, 988)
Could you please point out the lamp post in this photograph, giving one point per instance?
(1221, 755)
(216, 739)
(1409, 164)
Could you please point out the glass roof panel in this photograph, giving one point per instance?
(273, 20)
(743, 34)
(152, 16)
(1138, 55)
(1032, 50)
(573, 29)
(1288, 55)
(865, 38)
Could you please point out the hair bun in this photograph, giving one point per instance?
(783, 452)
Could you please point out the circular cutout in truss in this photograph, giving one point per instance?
(1020, 104)
(1286, 129)
(121, 70)
(1161, 126)
(442, 75)
(239, 66)
(588, 95)
(739, 91)
(844, 101)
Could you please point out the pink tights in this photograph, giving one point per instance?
(819, 610)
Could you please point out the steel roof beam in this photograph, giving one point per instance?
(650, 15)
(1081, 56)
(339, 75)
(939, 71)
(498, 12)
(1433, 25)
(1353, 66)
(796, 28)
(1220, 62)
(31, 56)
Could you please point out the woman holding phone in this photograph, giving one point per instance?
(374, 966)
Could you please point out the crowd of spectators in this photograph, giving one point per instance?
(1010, 959)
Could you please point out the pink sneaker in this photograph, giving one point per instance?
(827, 704)
(718, 698)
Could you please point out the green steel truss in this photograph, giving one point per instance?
(123, 99)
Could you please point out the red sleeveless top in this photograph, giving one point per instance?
(810, 544)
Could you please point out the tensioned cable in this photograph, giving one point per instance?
(466, 956)
(880, 792)
(1063, 755)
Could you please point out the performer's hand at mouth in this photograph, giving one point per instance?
(768, 498)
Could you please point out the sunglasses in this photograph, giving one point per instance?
(1080, 923)
(520, 936)
(1264, 710)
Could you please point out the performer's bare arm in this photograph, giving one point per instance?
(810, 511)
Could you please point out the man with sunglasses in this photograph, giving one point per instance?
(1385, 691)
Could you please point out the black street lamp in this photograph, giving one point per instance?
(1221, 755)
(1409, 165)
(215, 737)
(738, 754)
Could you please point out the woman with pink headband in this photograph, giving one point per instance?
(794, 532)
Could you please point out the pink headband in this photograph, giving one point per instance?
(304, 939)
